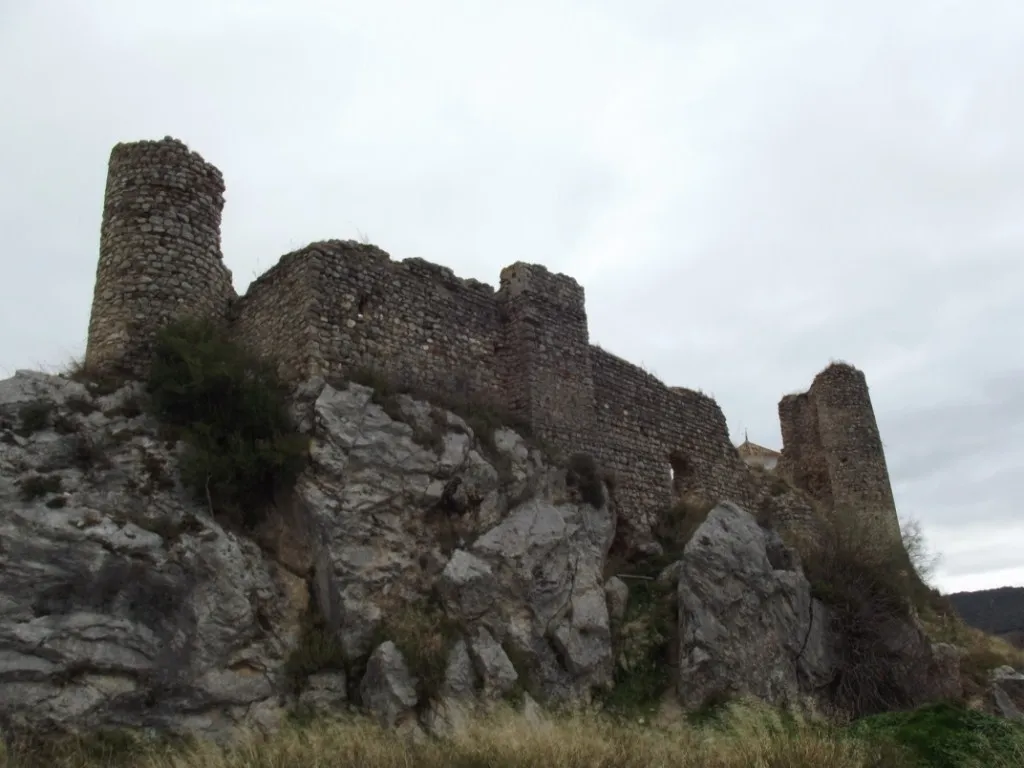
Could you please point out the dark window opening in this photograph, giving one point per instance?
(682, 473)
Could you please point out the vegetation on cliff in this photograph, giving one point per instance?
(741, 735)
(231, 410)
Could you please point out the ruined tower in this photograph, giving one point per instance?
(160, 252)
(832, 449)
(546, 354)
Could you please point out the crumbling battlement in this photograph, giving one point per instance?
(832, 449)
(336, 306)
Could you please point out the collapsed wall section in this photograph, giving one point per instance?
(803, 456)
(545, 355)
(412, 320)
(832, 447)
(662, 442)
(160, 256)
(273, 319)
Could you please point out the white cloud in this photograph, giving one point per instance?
(746, 190)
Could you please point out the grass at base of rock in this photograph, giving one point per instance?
(946, 736)
(642, 644)
(743, 736)
(981, 652)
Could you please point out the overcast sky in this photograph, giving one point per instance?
(747, 190)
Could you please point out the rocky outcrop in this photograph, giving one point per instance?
(747, 622)
(418, 570)
(1007, 693)
(123, 601)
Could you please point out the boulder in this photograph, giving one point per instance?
(747, 622)
(1007, 693)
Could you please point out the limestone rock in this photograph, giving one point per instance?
(460, 677)
(944, 672)
(492, 664)
(617, 596)
(388, 689)
(552, 558)
(1007, 693)
(122, 602)
(747, 625)
(467, 586)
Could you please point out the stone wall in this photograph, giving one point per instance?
(546, 355)
(159, 251)
(273, 318)
(832, 448)
(411, 319)
(662, 442)
(337, 307)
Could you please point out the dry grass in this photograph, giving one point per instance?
(745, 737)
(99, 381)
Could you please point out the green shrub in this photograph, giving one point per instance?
(99, 380)
(318, 650)
(424, 634)
(37, 486)
(675, 525)
(643, 648)
(584, 475)
(947, 736)
(89, 453)
(232, 413)
(867, 582)
(34, 417)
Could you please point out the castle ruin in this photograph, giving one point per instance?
(337, 306)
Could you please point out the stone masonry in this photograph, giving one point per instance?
(337, 306)
(832, 449)
(159, 250)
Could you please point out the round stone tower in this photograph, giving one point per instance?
(160, 255)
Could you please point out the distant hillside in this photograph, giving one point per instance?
(996, 611)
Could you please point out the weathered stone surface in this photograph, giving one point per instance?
(552, 557)
(945, 672)
(528, 577)
(460, 677)
(1007, 693)
(746, 625)
(832, 448)
(617, 596)
(325, 692)
(467, 586)
(165, 202)
(388, 689)
(121, 601)
(492, 665)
